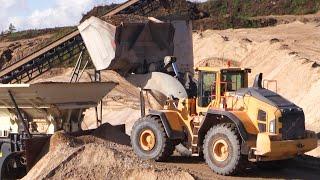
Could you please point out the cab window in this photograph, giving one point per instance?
(206, 88)
(233, 80)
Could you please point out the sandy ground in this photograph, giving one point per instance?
(199, 169)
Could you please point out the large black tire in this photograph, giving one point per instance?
(163, 147)
(229, 164)
(12, 167)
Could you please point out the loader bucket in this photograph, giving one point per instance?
(126, 47)
(154, 81)
(130, 47)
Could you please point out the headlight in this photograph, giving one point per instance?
(272, 126)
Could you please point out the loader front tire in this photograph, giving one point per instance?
(150, 141)
(222, 150)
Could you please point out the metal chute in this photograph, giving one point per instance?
(45, 95)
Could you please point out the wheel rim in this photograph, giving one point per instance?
(220, 150)
(147, 140)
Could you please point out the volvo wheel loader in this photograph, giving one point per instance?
(226, 122)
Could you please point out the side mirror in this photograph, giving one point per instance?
(258, 81)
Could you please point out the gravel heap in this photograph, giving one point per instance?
(93, 157)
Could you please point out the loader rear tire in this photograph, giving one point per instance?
(222, 150)
(150, 141)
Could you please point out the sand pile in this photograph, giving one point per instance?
(112, 133)
(91, 157)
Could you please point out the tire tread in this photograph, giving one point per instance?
(240, 159)
(167, 148)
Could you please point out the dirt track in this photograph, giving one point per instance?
(197, 167)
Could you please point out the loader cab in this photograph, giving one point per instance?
(214, 83)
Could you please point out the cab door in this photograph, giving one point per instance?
(206, 90)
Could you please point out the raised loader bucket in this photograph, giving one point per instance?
(127, 48)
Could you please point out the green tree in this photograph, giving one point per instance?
(12, 28)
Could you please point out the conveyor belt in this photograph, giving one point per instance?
(40, 61)
(33, 65)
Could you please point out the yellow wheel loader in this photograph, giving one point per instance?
(227, 122)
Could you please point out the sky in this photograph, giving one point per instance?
(37, 14)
